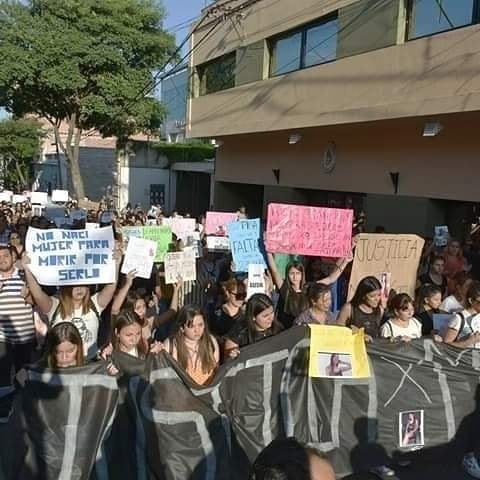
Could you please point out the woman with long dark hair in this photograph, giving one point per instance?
(259, 323)
(365, 309)
(64, 347)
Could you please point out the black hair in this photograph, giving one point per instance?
(366, 285)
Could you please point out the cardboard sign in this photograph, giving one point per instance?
(39, 198)
(322, 232)
(216, 223)
(88, 205)
(139, 256)
(183, 227)
(442, 236)
(220, 244)
(180, 265)
(60, 196)
(398, 255)
(162, 236)
(71, 257)
(244, 236)
(256, 279)
(19, 199)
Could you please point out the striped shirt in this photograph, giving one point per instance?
(16, 317)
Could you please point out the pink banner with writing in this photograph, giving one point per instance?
(216, 223)
(321, 232)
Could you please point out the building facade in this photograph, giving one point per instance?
(367, 103)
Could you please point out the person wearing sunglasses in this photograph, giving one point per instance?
(232, 310)
(464, 329)
(403, 326)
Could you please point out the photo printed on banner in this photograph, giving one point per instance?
(410, 429)
(334, 364)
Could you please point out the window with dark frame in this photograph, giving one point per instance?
(310, 45)
(217, 75)
(428, 17)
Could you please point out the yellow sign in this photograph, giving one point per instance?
(337, 352)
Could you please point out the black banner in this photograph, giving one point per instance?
(164, 427)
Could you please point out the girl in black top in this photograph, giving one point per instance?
(259, 323)
(427, 304)
(293, 299)
(365, 309)
(435, 275)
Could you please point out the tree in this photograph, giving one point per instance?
(20, 142)
(83, 62)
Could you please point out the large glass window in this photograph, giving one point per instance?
(218, 74)
(427, 17)
(286, 54)
(321, 43)
(311, 45)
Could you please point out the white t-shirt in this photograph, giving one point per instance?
(471, 324)
(451, 305)
(391, 330)
(87, 324)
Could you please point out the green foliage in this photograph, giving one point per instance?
(84, 61)
(20, 142)
(185, 152)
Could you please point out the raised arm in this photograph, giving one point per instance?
(43, 300)
(340, 266)
(344, 315)
(451, 335)
(108, 291)
(121, 295)
(277, 279)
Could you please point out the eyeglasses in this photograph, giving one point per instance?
(238, 295)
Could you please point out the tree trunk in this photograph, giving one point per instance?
(72, 154)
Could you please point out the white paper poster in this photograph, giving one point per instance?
(139, 256)
(71, 257)
(180, 265)
(218, 243)
(60, 196)
(19, 199)
(256, 279)
(39, 198)
(5, 197)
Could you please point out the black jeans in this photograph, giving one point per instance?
(13, 356)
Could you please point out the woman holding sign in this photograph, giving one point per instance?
(293, 299)
(74, 304)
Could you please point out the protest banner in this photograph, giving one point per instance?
(216, 223)
(442, 236)
(337, 352)
(139, 256)
(39, 198)
(244, 236)
(160, 234)
(60, 196)
(302, 230)
(132, 232)
(183, 227)
(180, 265)
(19, 199)
(218, 244)
(256, 279)
(71, 257)
(377, 254)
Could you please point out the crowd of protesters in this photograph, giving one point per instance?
(208, 321)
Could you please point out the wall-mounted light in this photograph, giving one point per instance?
(432, 129)
(216, 143)
(294, 138)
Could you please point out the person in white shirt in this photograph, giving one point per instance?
(464, 329)
(456, 302)
(403, 326)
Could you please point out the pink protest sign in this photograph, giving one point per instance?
(321, 232)
(216, 223)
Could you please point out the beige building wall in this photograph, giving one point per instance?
(441, 167)
(428, 76)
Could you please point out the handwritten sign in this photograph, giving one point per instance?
(88, 205)
(132, 232)
(442, 236)
(19, 199)
(139, 256)
(256, 279)
(6, 196)
(60, 196)
(244, 238)
(71, 257)
(39, 198)
(220, 244)
(162, 235)
(398, 255)
(180, 265)
(216, 223)
(322, 232)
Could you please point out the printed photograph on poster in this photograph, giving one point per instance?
(410, 429)
(385, 281)
(334, 364)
